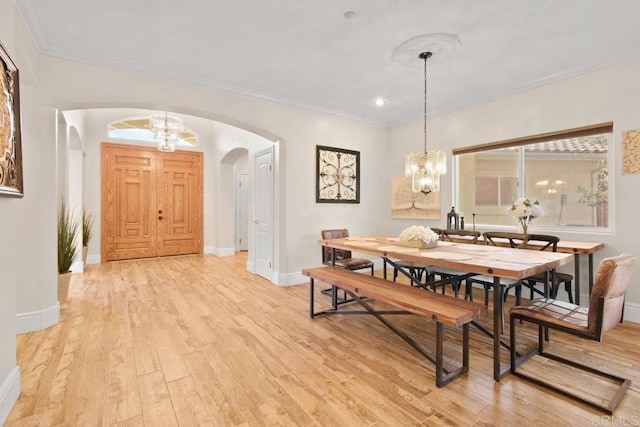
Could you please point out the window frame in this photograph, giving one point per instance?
(596, 129)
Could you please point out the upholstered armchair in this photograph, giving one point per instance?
(604, 312)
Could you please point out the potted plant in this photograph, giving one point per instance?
(87, 233)
(68, 227)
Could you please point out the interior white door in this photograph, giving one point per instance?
(264, 213)
(242, 212)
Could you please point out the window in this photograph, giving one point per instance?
(496, 190)
(566, 171)
(137, 129)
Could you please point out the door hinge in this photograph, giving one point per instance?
(240, 184)
(269, 264)
(269, 168)
(240, 241)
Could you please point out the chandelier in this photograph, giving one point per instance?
(166, 131)
(425, 168)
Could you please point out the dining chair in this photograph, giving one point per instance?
(603, 313)
(541, 242)
(516, 241)
(449, 275)
(343, 258)
(548, 242)
(417, 271)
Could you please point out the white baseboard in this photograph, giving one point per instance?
(93, 259)
(226, 251)
(77, 267)
(289, 279)
(9, 392)
(219, 251)
(297, 278)
(250, 267)
(632, 312)
(37, 320)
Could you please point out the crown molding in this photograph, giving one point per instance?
(34, 26)
(614, 58)
(31, 18)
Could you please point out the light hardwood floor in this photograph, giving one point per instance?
(195, 340)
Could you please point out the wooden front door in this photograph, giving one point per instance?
(179, 204)
(151, 202)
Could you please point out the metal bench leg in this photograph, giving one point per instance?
(439, 351)
(465, 346)
(334, 297)
(311, 287)
(443, 379)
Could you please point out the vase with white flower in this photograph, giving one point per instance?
(525, 211)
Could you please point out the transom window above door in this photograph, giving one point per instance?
(138, 129)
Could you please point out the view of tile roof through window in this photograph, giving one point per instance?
(596, 144)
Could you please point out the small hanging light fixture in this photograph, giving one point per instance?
(426, 168)
(166, 131)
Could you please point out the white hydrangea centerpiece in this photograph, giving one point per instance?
(525, 211)
(418, 236)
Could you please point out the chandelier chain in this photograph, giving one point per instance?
(425, 103)
(426, 168)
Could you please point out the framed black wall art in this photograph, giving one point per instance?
(10, 140)
(337, 175)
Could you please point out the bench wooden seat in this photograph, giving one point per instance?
(443, 309)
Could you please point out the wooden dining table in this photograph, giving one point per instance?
(496, 261)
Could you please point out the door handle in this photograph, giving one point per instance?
(160, 217)
(160, 211)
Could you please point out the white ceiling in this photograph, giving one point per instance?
(305, 53)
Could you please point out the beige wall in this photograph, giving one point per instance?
(9, 211)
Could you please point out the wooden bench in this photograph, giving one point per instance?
(443, 309)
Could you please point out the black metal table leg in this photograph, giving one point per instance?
(497, 321)
(590, 274)
(576, 279)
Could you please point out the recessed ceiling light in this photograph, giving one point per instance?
(349, 14)
(379, 102)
